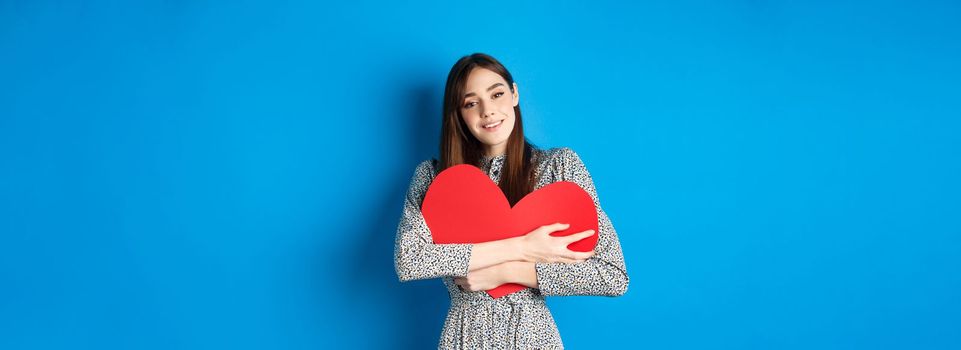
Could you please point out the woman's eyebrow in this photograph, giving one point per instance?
(469, 94)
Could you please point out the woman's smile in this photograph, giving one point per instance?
(491, 127)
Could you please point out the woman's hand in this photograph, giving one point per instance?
(540, 246)
(483, 279)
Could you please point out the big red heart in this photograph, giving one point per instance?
(463, 205)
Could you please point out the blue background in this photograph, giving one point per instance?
(184, 174)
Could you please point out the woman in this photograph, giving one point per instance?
(482, 126)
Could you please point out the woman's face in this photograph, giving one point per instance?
(488, 109)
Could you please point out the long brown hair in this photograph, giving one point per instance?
(459, 146)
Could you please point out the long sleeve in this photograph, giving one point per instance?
(415, 254)
(604, 273)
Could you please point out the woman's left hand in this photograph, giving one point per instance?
(483, 279)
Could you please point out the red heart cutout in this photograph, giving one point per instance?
(463, 205)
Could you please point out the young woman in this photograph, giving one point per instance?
(482, 126)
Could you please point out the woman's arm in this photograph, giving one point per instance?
(415, 254)
(520, 272)
(603, 274)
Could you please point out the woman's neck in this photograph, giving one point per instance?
(494, 151)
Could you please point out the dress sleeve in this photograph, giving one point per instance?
(415, 254)
(602, 274)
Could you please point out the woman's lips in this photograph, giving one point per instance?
(493, 126)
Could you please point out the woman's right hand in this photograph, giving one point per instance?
(540, 246)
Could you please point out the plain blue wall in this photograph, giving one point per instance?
(183, 174)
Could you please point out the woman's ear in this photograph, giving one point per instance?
(515, 95)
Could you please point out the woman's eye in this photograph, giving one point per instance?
(470, 104)
(498, 94)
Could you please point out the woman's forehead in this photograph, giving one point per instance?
(480, 79)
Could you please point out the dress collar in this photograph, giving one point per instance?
(492, 165)
(487, 159)
(490, 161)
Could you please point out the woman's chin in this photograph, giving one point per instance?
(493, 140)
